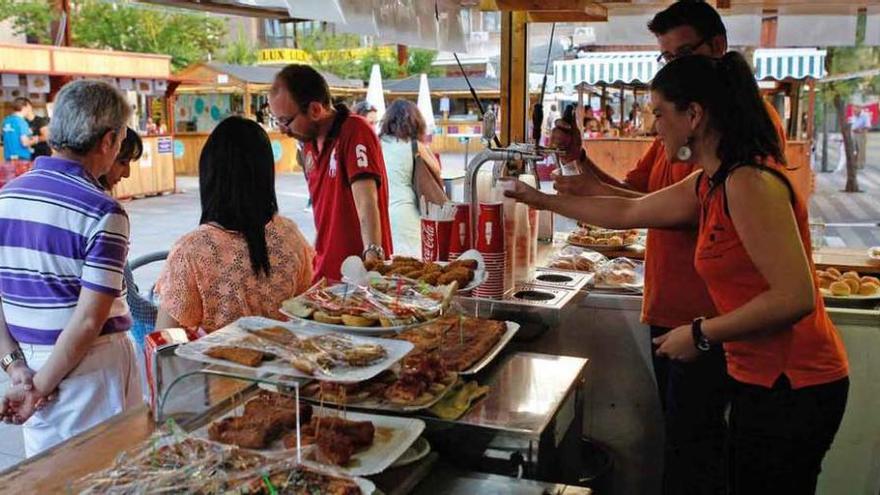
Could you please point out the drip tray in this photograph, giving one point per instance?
(538, 295)
(563, 279)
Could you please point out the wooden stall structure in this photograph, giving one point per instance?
(210, 92)
(781, 74)
(458, 126)
(39, 71)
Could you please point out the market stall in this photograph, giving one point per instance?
(38, 72)
(211, 92)
(783, 74)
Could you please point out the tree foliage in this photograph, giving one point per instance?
(187, 37)
(320, 45)
(847, 60)
(30, 18)
(420, 62)
(240, 52)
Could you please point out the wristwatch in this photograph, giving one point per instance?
(377, 250)
(10, 358)
(700, 340)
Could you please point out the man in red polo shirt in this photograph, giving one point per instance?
(344, 168)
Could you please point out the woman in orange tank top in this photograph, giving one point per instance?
(786, 361)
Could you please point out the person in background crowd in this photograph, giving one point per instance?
(244, 259)
(692, 394)
(263, 114)
(40, 129)
(549, 123)
(786, 361)
(591, 123)
(63, 325)
(860, 127)
(402, 133)
(344, 167)
(17, 135)
(366, 110)
(608, 118)
(635, 117)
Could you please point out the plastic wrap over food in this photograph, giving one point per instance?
(577, 258)
(173, 462)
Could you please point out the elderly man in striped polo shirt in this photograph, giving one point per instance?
(63, 245)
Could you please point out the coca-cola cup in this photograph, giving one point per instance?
(489, 242)
(461, 231)
(436, 235)
(490, 229)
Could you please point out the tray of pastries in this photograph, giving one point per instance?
(601, 239)
(465, 344)
(468, 271)
(358, 444)
(270, 346)
(381, 305)
(847, 285)
(418, 382)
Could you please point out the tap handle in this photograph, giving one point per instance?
(537, 120)
(489, 126)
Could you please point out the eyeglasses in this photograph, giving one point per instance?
(683, 51)
(285, 121)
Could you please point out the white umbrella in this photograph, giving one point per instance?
(424, 104)
(375, 96)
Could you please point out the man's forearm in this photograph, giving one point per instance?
(70, 348)
(7, 343)
(366, 200)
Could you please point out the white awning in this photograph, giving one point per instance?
(789, 63)
(608, 68)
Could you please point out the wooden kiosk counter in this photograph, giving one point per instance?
(145, 79)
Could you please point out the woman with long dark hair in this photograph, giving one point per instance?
(244, 259)
(786, 361)
(402, 135)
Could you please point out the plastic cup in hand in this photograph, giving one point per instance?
(570, 168)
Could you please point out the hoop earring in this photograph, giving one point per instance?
(685, 152)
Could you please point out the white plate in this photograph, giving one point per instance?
(506, 337)
(345, 374)
(480, 275)
(394, 435)
(375, 404)
(416, 452)
(830, 297)
(375, 330)
(638, 285)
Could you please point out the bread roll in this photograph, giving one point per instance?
(826, 280)
(821, 273)
(840, 289)
(869, 289)
(870, 280)
(834, 272)
(615, 240)
(852, 283)
(852, 275)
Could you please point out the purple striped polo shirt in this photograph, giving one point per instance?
(59, 232)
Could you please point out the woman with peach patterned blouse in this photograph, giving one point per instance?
(244, 259)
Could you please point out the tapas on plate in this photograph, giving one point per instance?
(389, 303)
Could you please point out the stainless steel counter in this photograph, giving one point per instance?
(621, 408)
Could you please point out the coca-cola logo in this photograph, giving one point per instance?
(429, 240)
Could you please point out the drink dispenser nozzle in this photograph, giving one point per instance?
(489, 127)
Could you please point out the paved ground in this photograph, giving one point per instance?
(157, 222)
